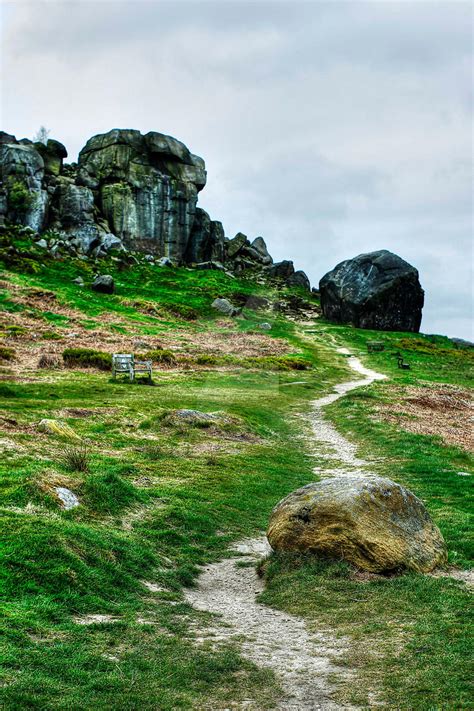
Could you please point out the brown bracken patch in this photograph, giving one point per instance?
(442, 410)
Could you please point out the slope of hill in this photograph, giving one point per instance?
(169, 475)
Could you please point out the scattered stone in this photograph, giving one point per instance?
(256, 303)
(104, 283)
(96, 619)
(211, 265)
(195, 416)
(225, 307)
(61, 429)
(165, 262)
(42, 244)
(79, 281)
(67, 497)
(265, 326)
(371, 522)
(378, 290)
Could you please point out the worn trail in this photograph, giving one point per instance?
(302, 661)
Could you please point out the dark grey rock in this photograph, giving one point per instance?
(234, 246)
(256, 302)
(104, 283)
(378, 290)
(281, 270)
(217, 266)
(300, 279)
(260, 246)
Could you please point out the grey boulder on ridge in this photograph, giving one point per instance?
(378, 290)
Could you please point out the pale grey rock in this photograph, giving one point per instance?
(110, 241)
(42, 243)
(79, 281)
(225, 307)
(67, 497)
(165, 262)
(265, 326)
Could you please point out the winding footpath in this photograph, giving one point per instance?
(302, 661)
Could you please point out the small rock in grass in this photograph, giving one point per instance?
(68, 498)
(79, 281)
(165, 262)
(104, 284)
(42, 243)
(265, 326)
(225, 307)
(371, 522)
(61, 429)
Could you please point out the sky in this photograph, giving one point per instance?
(329, 128)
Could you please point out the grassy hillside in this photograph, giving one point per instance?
(93, 612)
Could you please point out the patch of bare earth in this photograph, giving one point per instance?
(444, 411)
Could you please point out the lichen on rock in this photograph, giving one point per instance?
(371, 522)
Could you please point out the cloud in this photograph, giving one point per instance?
(331, 128)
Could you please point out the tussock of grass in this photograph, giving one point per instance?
(7, 353)
(76, 458)
(87, 358)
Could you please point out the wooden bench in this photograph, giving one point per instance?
(125, 364)
(375, 346)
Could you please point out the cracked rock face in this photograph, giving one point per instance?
(378, 290)
(21, 174)
(128, 191)
(146, 187)
(371, 522)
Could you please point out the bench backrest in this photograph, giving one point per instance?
(122, 361)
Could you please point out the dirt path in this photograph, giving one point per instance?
(301, 660)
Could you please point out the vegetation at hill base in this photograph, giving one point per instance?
(92, 606)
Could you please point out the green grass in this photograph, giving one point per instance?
(159, 498)
(410, 637)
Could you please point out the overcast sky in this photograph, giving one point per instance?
(329, 128)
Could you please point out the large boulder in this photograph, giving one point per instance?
(147, 187)
(378, 290)
(371, 522)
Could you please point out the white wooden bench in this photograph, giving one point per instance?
(125, 364)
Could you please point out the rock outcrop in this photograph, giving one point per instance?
(371, 522)
(378, 290)
(127, 191)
